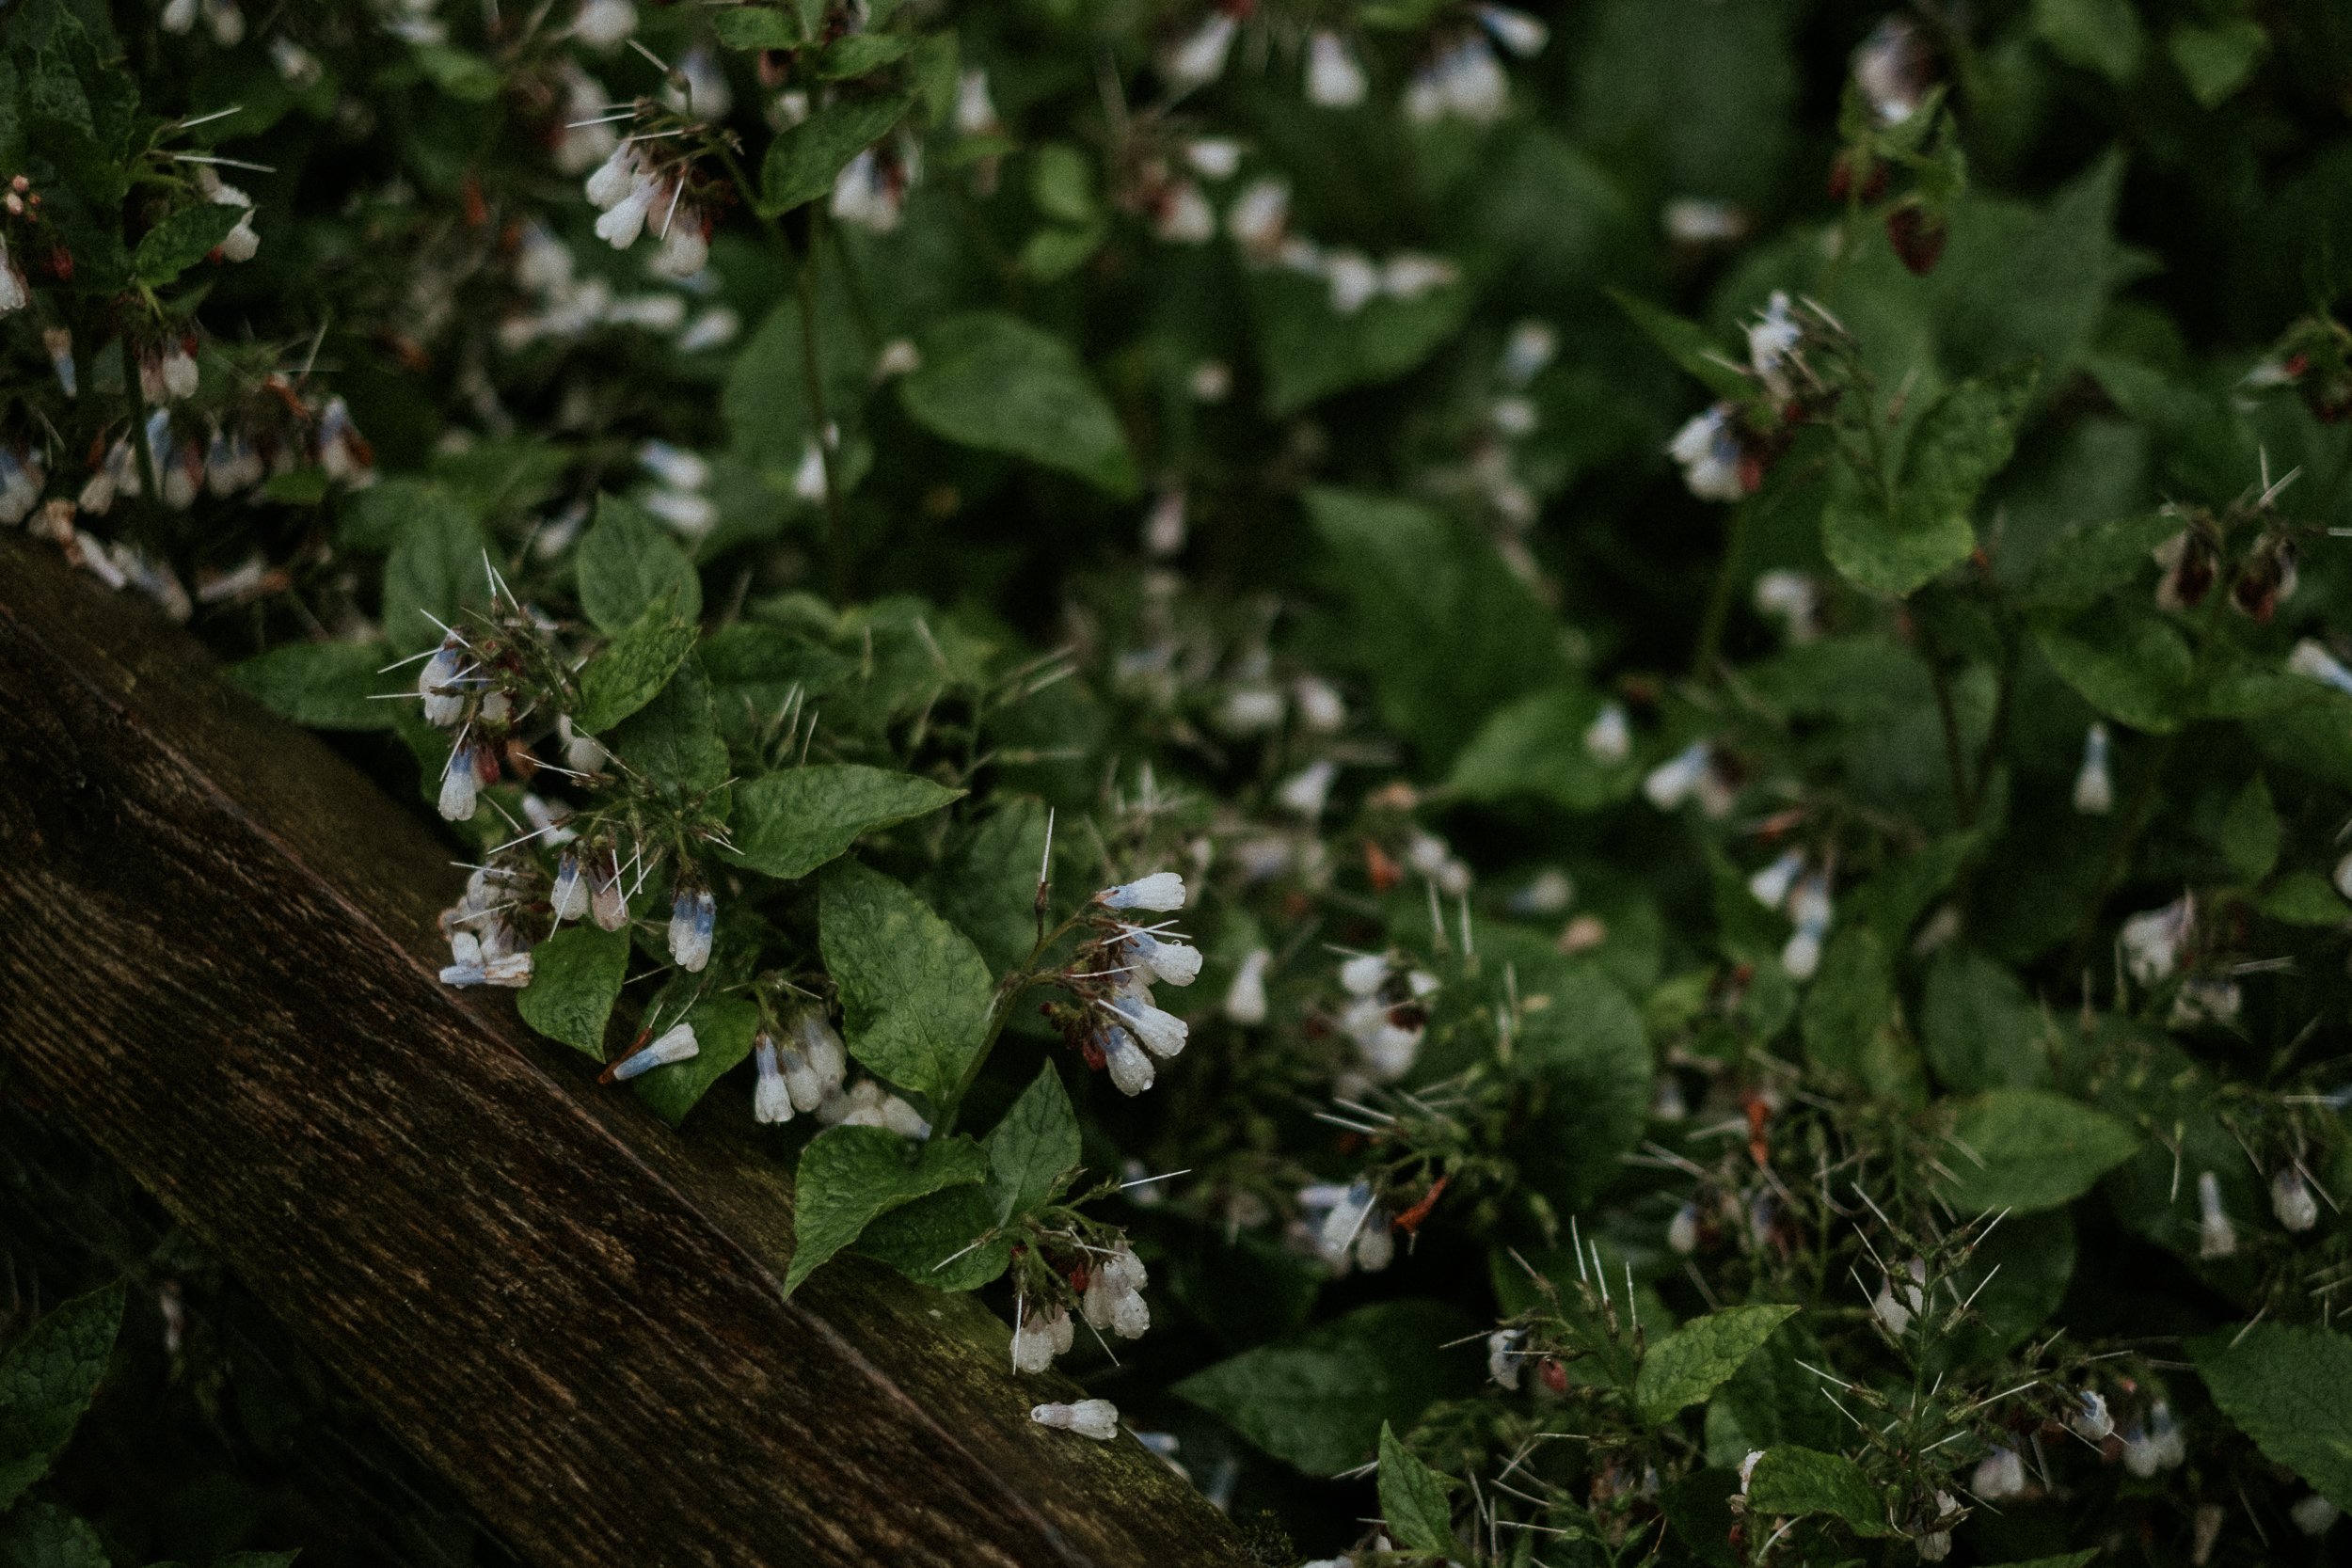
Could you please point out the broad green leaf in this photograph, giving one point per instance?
(2126, 661)
(1586, 1065)
(42, 1535)
(1318, 1402)
(1308, 351)
(1791, 1480)
(1052, 253)
(1980, 1029)
(787, 824)
(724, 1028)
(1689, 345)
(2016, 1277)
(2251, 833)
(859, 53)
(1698, 1511)
(1447, 632)
(327, 685)
(996, 382)
(753, 671)
(929, 1240)
(465, 76)
(630, 669)
(1893, 555)
(756, 27)
(2081, 566)
(1035, 1144)
(46, 1381)
(987, 887)
(2217, 61)
(377, 517)
(1412, 1498)
(1691, 1363)
(439, 564)
(1061, 182)
(1852, 998)
(914, 995)
(1536, 746)
(182, 240)
(627, 564)
(850, 1175)
(802, 162)
(2037, 1150)
(2289, 1387)
(1962, 440)
(1851, 678)
(1773, 1399)
(672, 741)
(2305, 899)
(2097, 35)
(576, 978)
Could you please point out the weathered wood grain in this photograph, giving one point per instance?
(216, 956)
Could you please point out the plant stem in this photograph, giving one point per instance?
(1718, 614)
(1009, 990)
(1964, 797)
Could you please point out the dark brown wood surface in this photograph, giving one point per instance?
(217, 956)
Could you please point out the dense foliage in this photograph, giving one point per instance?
(1598, 759)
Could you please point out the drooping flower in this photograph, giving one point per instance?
(1176, 963)
(676, 1044)
(2216, 1236)
(2094, 788)
(1772, 341)
(2313, 661)
(569, 900)
(608, 900)
(1715, 464)
(1246, 999)
(1095, 1419)
(1809, 906)
(1113, 1300)
(1891, 69)
(1672, 783)
(58, 343)
(460, 784)
(2000, 1475)
(1131, 1071)
(1770, 886)
(694, 915)
(1608, 738)
(1334, 80)
(603, 23)
(1517, 31)
(1181, 216)
(1160, 892)
(1682, 1232)
(2155, 939)
(1502, 1358)
(2314, 1515)
(1463, 79)
(1163, 1034)
(2291, 1199)
(1200, 60)
(1795, 600)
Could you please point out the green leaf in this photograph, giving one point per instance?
(850, 1175)
(1853, 997)
(2217, 61)
(756, 27)
(787, 824)
(634, 666)
(1698, 1359)
(1030, 1149)
(2305, 899)
(576, 978)
(1319, 1401)
(802, 163)
(182, 240)
(1794, 1481)
(42, 1535)
(1054, 253)
(860, 53)
(2038, 1150)
(2126, 661)
(2250, 834)
(1446, 630)
(753, 670)
(1586, 1062)
(914, 995)
(724, 1028)
(929, 1240)
(1308, 351)
(1061, 183)
(1962, 440)
(1981, 1029)
(2289, 1387)
(1413, 1499)
(1536, 746)
(1689, 345)
(672, 741)
(299, 488)
(988, 888)
(2097, 35)
(1892, 556)
(327, 685)
(2091, 561)
(439, 563)
(1698, 1510)
(627, 564)
(993, 381)
(46, 1381)
(2013, 1280)
(465, 76)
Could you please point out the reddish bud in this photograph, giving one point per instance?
(1917, 238)
(1387, 876)
(61, 263)
(477, 210)
(1409, 1221)
(1555, 1376)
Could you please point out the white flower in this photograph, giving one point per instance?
(1163, 1034)
(676, 1045)
(809, 480)
(608, 900)
(180, 375)
(1503, 1361)
(675, 467)
(904, 1119)
(1095, 1419)
(2155, 939)
(1682, 1232)
(1201, 58)
(582, 753)
(1672, 783)
(602, 23)
(1375, 1247)
(1112, 1300)
(1362, 975)
(771, 1097)
(297, 65)
(1185, 216)
(1526, 351)
(1334, 79)
(1793, 598)
(1161, 892)
(2091, 1421)
(2216, 1236)
(1892, 1314)
(1164, 532)
(692, 515)
(1464, 80)
(2159, 1449)
(1890, 67)
(438, 683)
(1354, 280)
(820, 1046)
(2314, 1514)
(225, 20)
(706, 97)
(864, 194)
(975, 113)
(1033, 1341)
(179, 16)
(1258, 217)
(2291, 1199)
(1608, 738)
(1173, 961)
(1245, 1000)
(684, 251)
(714, 328)
(459, 785)
(620, 226)
(1305, 790)
(1131, 1071)
(1319, 707)
(1772, 342)
(1408, 275)
(692, 915)
(1747, 1468)
(2001, 1474)
(613, 179)
(570, 897)
(2094, 789)
(1712, 457)
(1342, 1224)
(1771, 885)
(1810, 906)
(1250, 711)
(1214, 157)
(1517, 31)
(1695, 220)
(2315, 662)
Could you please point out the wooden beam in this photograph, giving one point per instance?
(219, 959)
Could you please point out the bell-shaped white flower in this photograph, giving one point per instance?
(2090, 1420)
(1517, 31)
(1306, 790)
(1503, 1358)
(2313, 661)
(1174, 963)
(694, 915)
(1130, 1069)
(1770, 886)
(459, 785)
(676, 1044)
(620, 226)
(2094, 788)
(2216, 1236)
(1033, 1341)
(602, 23)
(2155, 939)
(1161, 892)
(1608, 738)
(2314, 1515)
(2291, 1199)
(771, 1097)
(1672, 783)
(1201, 58)
(569, 898)
(2000, 1475)
(1246, 998)
(1334, 80)
(1682, 1232)
(1363, 974)
(608, 899)
(1163, 1034)
(1095, 1419)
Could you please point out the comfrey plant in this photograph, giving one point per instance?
(1463, 782)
